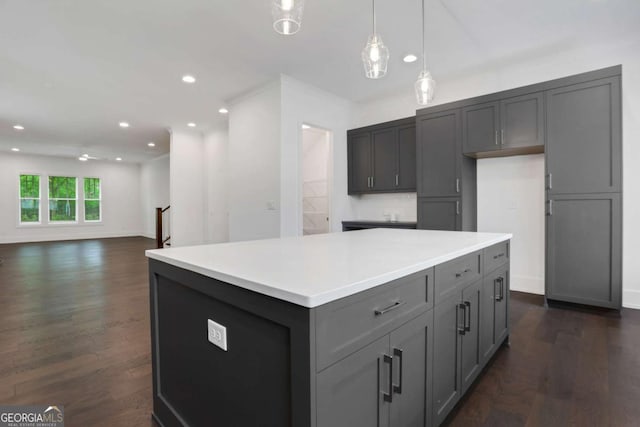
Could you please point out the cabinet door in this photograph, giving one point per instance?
(494, 311)
(584, 142)
(359, 163)
(584, 244)
(412, 348)
(447, 320)
(350, 392)
(439, 213)
(522, 121)
(385, 159)
(438, 153)
(480, 124)
(470, 358)
(407, 158)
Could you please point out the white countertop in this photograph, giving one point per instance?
(314, 270)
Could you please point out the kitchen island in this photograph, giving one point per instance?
(381, 327)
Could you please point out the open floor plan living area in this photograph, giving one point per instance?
(303, 213)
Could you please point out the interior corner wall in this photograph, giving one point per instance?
(502, 76)
(120, 184)
(303, 103)
(154, 189)
(187, 188)
(254, 165)
(216, 158)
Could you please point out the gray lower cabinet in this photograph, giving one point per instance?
(457, 361)
(495, 311)
(584, 243)
(383, 384)
(439, 213)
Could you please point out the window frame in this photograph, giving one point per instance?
(49, 199)
(20, 198)
(85, 199)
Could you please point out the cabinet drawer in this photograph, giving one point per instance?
(350, 323)
(495, 256)
(452, 276)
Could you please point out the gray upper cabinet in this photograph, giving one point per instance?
(480, 127)
(406, 158)
(385, 158)
(359, 152)
(584, 142)
(381, 158)
(522, 121)
(438, 152)
(584, 245)
(439, 213)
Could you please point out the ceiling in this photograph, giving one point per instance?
(71, 70)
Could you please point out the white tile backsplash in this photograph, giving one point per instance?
(380, 207)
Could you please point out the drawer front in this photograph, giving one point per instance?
(351, 323)
(452, 276)
(496, 255)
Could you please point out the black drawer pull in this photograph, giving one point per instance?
(467, 323)
(461, 329)
(390, 308)
(463, 272)
(499, 295)
(498, 256)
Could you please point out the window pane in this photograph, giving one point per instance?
(92, 210)
(29, 210)
(62, 187)
(30, 186)
(62, 210)
(92, 188)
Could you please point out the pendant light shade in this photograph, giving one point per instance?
(287, 15)
(375, 55)
(425, 86)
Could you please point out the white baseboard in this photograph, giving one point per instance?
(631, 299)
(529, 284)
(69, 236)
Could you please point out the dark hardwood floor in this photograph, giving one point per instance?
(74, 330)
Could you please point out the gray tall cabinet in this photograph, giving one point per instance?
(577, 122)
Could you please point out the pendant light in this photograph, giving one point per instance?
(375, 54)
(425, 85)
(287, 16)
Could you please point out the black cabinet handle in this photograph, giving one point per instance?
(501, 288)
(500, 294)
(388, 397)
(461, 329)
(498, 256)
(397, 353)
(463, 272)
(390, 308)
(467, 324)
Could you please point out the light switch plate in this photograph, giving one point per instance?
(217, 334)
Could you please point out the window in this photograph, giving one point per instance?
(29, 198)
(92, 205)
(62, 199)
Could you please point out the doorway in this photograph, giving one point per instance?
(316, 185)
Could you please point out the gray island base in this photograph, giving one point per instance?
(368, 328)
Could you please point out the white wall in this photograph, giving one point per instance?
(501, 76)
(254, 165)
(216, 158)
(187, 184)
(154, 189)
(303, 103)
(120, 198)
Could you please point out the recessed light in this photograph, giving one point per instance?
(15, 149)
(410, 58)
(191, 125)
(151, 144)
(18, 127)
(188, 79)
(124, 124)
(118, 159)
(223, 111)
(82, 159)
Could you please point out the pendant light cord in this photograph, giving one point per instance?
(374, 16)
(424, 52)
